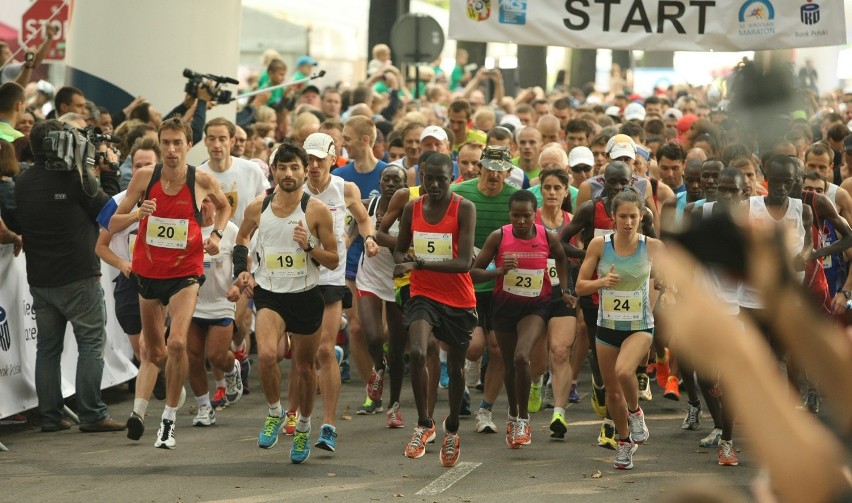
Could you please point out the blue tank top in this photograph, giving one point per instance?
(626, 306)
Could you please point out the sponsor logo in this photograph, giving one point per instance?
(757, 19)
(513, 12)
(5, 337)
(809, 13)
(60, 197)
(478, 10)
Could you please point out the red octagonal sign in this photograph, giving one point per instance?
(40, 13)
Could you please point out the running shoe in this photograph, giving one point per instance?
(395, 417)
(547, 396)
(651, 369)
(338, 355)
(638, 429)
(558, 426)
(300, 449)
(534, 402)
(416, 447)
(269, 433)
(663, 370)
(206, 416)
(511, 428)
(326, 438)
(219, 400)
(727, 454)
(485, 421)
(812, 401)
(471, 372)
(692, 421)
(573, 395)
(465, 405)
(712, 439)
(376, 384)
(135, 426)
(344, 372)
(450, 449)
(444, 380)
(644, 387)
(166, 435)
(523, 433)
(245, 368)
(599, 399)
(672, 389)
(234, 384)
(289, 423)
(370, 407)
(606, 437)
(624, 455)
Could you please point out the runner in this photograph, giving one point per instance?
(441, 227)
(521, 302)
(625, 320)
(295, 237)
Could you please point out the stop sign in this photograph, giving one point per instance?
(40, 13)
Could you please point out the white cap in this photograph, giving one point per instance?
(319, 145)
(634, 111)
(435, 132)
(613, 111)
(581, 155)
(512, 120)
(673, 113)
(621, 145)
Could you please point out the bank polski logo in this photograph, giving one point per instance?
(757, 18)
(5, 337)
(810, 13)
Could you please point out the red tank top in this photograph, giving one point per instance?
(438, 242)
(529, 282)
(170, 243)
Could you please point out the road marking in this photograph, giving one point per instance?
(446, 480)
(95, 452)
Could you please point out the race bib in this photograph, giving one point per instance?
(286, 264)
(621, 306)
(524, 282)
(551, 271)
(167, 232)
(433, 246)
(826, 262)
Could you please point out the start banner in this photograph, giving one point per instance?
(652, 25)
(18, 336)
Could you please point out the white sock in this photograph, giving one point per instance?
(559, 410)
(442, 355)
(229, 373)
(202, 400)
(220, 383)
(303, 424)
(170, 413)
(275, 409)
(140, 406)
(512, 419)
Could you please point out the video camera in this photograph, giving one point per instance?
(219, 95)
(73, 149)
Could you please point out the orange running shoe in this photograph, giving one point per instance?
(450, 449)
(663, 370)
(523, 434)
(672, 389)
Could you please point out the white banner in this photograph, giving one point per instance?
(18, 336)
(652, 25)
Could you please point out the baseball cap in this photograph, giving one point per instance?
(319, 145)
(306, 60)
(613, 111)
(634, 111)
(496, 158)
(672, 113)
(581, 155)
(435, 132)
(847, 144)
(311, 89)
(621, 145)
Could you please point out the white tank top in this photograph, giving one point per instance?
(375, 274)
(283, 266)
(792, 219)
(831, 193)
(333, 197)
(212, 300)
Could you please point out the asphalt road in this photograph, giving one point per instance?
(223, 462)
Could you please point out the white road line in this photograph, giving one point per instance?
(446, 480)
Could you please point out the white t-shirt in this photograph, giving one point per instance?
(212, 303)
(241, 183)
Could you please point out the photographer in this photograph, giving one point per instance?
(59, 231)
(196, 108)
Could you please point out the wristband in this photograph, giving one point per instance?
(240, 259)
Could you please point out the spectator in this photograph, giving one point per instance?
(20, 72)
(8, 171)
(69, 99)
(11, 110)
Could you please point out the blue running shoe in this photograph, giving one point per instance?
(301, 448)
(338, 354)
(269, 433)
(326, 438)
(444, 381)
(573, 395)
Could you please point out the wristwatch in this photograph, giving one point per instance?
(218, 233)
(311, 244)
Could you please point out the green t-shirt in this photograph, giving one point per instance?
(572, 191)
(472, 135)
(456, 78)
(9, 133)
(491, 214)
(530, 174)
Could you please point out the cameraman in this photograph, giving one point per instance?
(59, 231)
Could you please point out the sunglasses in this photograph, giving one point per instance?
(581, 168)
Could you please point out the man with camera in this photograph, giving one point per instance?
(168, 264)
(58, 202)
